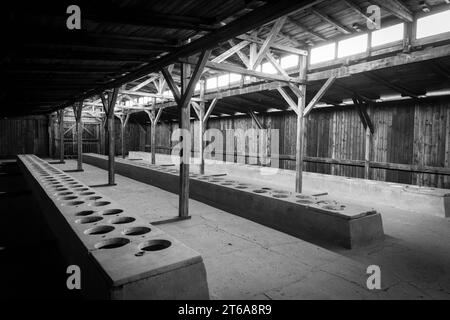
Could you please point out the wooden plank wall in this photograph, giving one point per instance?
(24, 135)
(406, 132)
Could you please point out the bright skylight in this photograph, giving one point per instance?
(223, 81)
(269, 68)
(388, 35)
(211, 83)
(234, 77)
(433, 24)
(323, 53)
(352, 46)
(288, 62)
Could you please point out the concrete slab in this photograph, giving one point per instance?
(432, 201)
(301, 215)
(414, 257)
(119, 253)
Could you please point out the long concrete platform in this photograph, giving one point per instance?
(246, 260)
(120, 255)
(431, 201)
(308, 217)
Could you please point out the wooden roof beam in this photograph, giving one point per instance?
(276, 46)
(228, 67)
(269, 41)
(305, 29)
(352, 5)
(340, 27)
(400, 89)
(264, 14)
(396, 8)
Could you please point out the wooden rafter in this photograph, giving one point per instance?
(399, 88)
(352, 5)
(319, 96)
(397, 8)
(331, 21)
(269, 41)
(234, 49)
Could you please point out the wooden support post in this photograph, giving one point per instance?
(370, 130)
(77, 111)
(202, 126)
(185, 116)
(61, 135)
(183, 99)
(109, 103)
(153, 122)
(301, 124)
(367, 154)
(123, 124)
(122, 142)
(153, 136)
(50, 135)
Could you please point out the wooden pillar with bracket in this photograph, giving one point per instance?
(154, 119)
(61, 135)
(185, 120)
(109, 101)
(202, 126)
(77, 111)
(301, 127)
(123, 124)
(50, 135)
(183, 99)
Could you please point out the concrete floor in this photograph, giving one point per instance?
(245, 260)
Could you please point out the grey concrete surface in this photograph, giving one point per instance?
(315, 219)
(432, 201)
(118, 272)
(245, 260)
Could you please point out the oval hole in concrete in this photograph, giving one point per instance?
(122, 220)
(112, 243)
(93, 198)
(99, 230)
(64, 193)
(155, 245)
(84, 213)
(74, 203)
(87, 193)
(260, 191)
(68, 198)
(111, 212)
(136, 231)
(87, 220)
(100, 203)
(280, 196)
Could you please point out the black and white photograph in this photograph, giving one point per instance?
(223, 156)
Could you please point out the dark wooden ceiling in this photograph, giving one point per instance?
(44, 65)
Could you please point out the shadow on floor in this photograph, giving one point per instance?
(31, 266)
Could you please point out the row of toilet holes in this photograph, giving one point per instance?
(64, 194)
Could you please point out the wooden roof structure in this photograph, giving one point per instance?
(124, 44)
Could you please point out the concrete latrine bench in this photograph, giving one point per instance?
(120, 255)
(316, 219)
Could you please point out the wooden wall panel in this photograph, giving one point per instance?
(25, 135)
